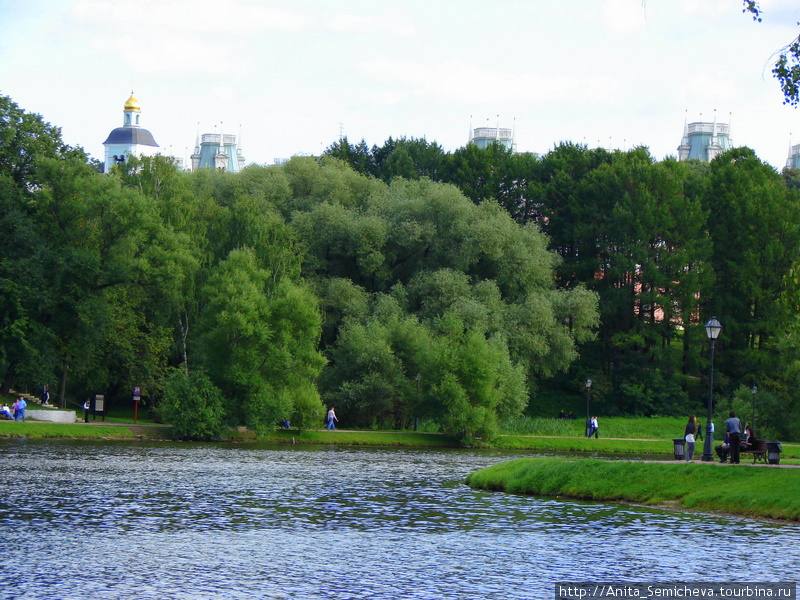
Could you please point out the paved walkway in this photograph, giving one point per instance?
(725, 465)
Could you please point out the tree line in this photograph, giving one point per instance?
(245, 299)
(665, 245)
(402, 284)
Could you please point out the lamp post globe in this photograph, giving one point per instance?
(713, 329)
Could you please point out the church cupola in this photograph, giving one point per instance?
(130, 139)
(131, 111)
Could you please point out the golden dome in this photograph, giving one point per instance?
(132, 104)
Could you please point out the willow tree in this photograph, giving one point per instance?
(465, 278)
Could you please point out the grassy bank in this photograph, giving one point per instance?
(569, 443)
(581, 444)
(40, 429)
(359, 438)
(34, 429)
(610, 427)
(740, 490)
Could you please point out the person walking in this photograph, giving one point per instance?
(734, 428)
(688, 434)
(19, 409)
(595, 428)
(331, 419)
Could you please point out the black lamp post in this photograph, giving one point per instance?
(588, 418)
(753, 389)
(713, 327)
(417, 377)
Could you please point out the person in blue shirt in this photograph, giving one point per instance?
(19, 413)
(734, 428)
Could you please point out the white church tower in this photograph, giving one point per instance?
(130, 139)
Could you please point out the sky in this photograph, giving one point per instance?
(292, 77)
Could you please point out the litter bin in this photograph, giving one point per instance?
(774, 452)
(680, 448)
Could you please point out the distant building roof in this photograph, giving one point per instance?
(131, 135)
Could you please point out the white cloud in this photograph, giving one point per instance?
(360, 24)
(201, 36)
(458, 81)
(177, 54)
(624, 16)
(224, 93)
(708, 8)
(222, 16)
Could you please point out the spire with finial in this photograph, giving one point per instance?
(685, 148)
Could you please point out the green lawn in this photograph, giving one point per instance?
(41, 429)
(642, 436)
(735, 489)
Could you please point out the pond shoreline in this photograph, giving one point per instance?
(767, 493)
(578, 445)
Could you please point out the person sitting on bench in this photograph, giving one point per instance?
(747, 442)
(723, 449)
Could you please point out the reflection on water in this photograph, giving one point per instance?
(152, 520)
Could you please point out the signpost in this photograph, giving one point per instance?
(137, 393)
(99, 405)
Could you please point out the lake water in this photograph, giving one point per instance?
(124, 520)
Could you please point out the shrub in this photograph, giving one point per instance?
(193, 406)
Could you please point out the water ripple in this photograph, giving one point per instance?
(106, 520)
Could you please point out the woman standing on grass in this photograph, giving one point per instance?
(688, 435)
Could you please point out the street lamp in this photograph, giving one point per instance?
(713, 327)
(588, 418)
(417, 377)
(753, 389)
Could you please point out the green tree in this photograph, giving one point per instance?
(25, 139)
(435, 257)
(259, 342)
(754, 225)
(359, 157)
(376, 361)
(787, 65)
(633, 231)
(193, 406)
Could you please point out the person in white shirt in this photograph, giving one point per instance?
(331, 419)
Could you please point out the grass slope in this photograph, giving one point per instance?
(41, 429)
(753, 492)
(569, 442)
(356, 438)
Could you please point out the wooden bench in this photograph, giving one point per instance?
(758, 450)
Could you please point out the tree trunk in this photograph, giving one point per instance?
(62, 388)
(184, 329)
(8, 378)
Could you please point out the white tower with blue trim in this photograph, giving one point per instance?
(129, 140)
(704, 141)
(218, 151)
